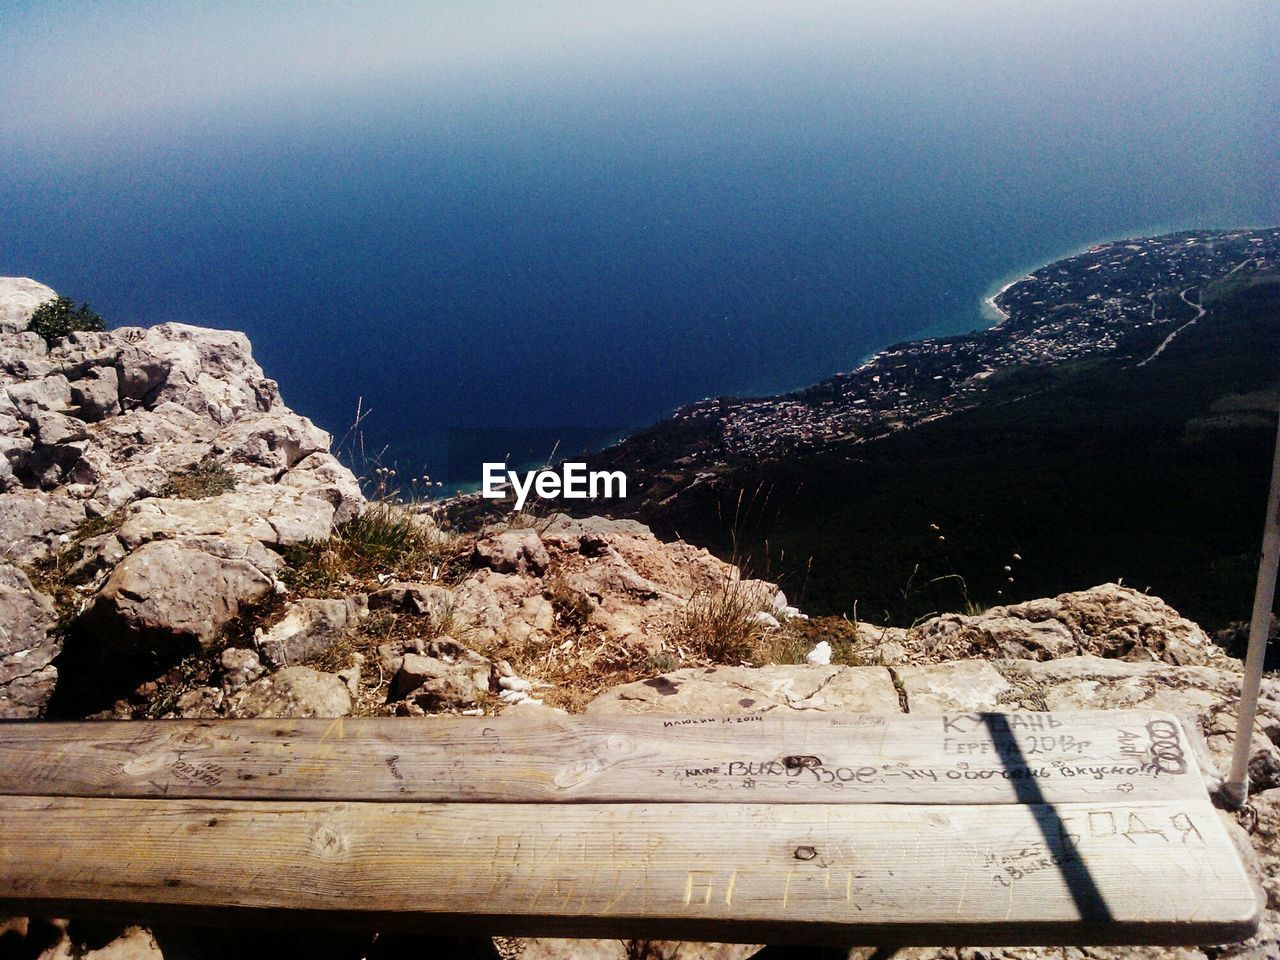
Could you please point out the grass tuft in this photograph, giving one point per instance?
(387, 541)
(206, 479)
(721, 625)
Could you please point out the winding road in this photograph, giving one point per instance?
(1199, 313)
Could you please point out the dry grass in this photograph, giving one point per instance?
(52, 574)
(387, 541)
(208, 478)
(720, 624)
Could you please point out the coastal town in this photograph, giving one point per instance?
(1127, 298)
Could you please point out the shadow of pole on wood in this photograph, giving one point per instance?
(1090, 903)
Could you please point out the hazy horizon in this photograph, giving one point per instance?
(572, 214)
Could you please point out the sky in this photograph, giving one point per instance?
(506, 214)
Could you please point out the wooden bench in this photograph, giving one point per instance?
(1020, 828)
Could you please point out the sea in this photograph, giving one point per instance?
(518, 247)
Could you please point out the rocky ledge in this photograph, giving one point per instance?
(161, 507)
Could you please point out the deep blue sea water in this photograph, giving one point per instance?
(612, 225)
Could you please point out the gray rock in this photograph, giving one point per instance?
(200, 703)
(37, 396)
(170, 592)
(514, 551)
(710, 691)
(449, 677)
(291, 693)
(309, 627)
(96, 396)
(50, 428)
(422, 599)
(273, 442)
(265, 513)
(961, 685)
(240, 667)
(33, 521)
(27, 649)
(19, 297)
(321, 475)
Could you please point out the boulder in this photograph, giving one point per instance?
(421, 599)
(292, 693)
(309, 628)
(19, 297)
(1107, 621)
(27, 646)
(513, 551)
(269, 514)
(34, 521)
(962, 685)
(96, 396)
(174, 592)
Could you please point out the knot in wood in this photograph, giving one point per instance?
(805, 853)
(800, 762)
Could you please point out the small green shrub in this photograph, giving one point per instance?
(60, 317)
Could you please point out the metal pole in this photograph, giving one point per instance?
(1236, 789)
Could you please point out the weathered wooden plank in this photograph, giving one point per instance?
(823, 758)
(862, 873)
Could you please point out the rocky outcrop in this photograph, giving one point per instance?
(27, 647)
(1110, 621)
(626, 585)
(95, 428)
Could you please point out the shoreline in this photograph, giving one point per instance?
(990, 302)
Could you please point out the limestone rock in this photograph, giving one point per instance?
(513, 551)
(32, 521)
(962, 685)
(1266, 806)
(174, 591)
(308, 628)
(132, 943)
(422, 599)
(270, 441)
(100, 420)
(447, 676)
(709, 691)
(268, 514)
(631, 587)
(49, 393)
(240, 667)
(96, 396)
(27, 674)
(19, 297)
(1120, 622)
(323, 477)
(1107, 621)
(210, 372)
(292, 693)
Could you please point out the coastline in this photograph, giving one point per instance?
(993, 305)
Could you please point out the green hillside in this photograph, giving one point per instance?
(1089, 471)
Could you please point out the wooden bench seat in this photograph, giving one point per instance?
(1027, 828)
